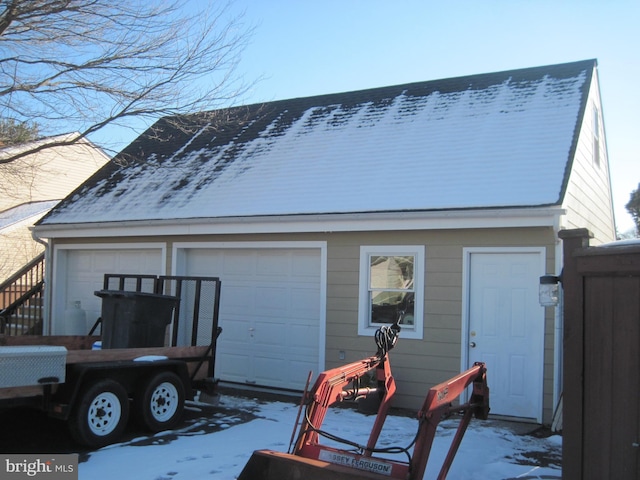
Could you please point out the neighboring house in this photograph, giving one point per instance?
(326, 216)
(31, 186)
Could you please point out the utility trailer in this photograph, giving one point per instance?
(96, 391)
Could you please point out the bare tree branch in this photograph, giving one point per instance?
(81, 65)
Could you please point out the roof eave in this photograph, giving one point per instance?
(546, 216)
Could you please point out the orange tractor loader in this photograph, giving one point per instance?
(309, 459)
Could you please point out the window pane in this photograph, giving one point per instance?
(391, 272)
(386, 307)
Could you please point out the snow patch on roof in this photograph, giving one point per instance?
(20, 213)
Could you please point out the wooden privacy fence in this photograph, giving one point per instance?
(601, 375)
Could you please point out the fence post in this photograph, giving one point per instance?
(573, 354)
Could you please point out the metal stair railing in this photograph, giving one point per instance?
(21, 300)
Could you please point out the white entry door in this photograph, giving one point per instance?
(506, 329)
(270, 305)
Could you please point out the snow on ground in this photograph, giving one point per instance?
(490, 450)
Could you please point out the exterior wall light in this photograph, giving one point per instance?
(549, 292)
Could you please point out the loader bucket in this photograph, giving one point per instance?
(271, 465)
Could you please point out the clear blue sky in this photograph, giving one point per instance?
(309, 47)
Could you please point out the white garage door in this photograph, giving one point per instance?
(81, 273)
(269, 312)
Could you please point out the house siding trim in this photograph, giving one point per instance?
(178, 257)
(381, 221)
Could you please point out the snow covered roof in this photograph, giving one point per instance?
(496, 140)
(23, 212)
(15, 149)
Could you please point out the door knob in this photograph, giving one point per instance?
(472, 344)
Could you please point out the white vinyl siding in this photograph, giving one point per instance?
(588, 199)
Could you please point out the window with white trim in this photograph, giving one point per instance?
(391, 288)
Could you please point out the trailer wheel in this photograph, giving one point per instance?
(160, 402)
(101, 414)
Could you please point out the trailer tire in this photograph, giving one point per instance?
(160, 402)
(101, 414)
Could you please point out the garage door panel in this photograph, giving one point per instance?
(265, 345)
(291, 372)
(303, 303)
(305, 337)
(305, 264)
(125, 260)
(269, 370)
(211, 268)
(270, 312)
(299, 370)
(106, 262)
(234, 365)
(83, 273)
(81, 262)
(273, 264)
(237, 264)
(272, 300)
(270, 334)
(237, 298)
(300, 355)
(236, 330)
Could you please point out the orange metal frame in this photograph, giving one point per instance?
(338, 384)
